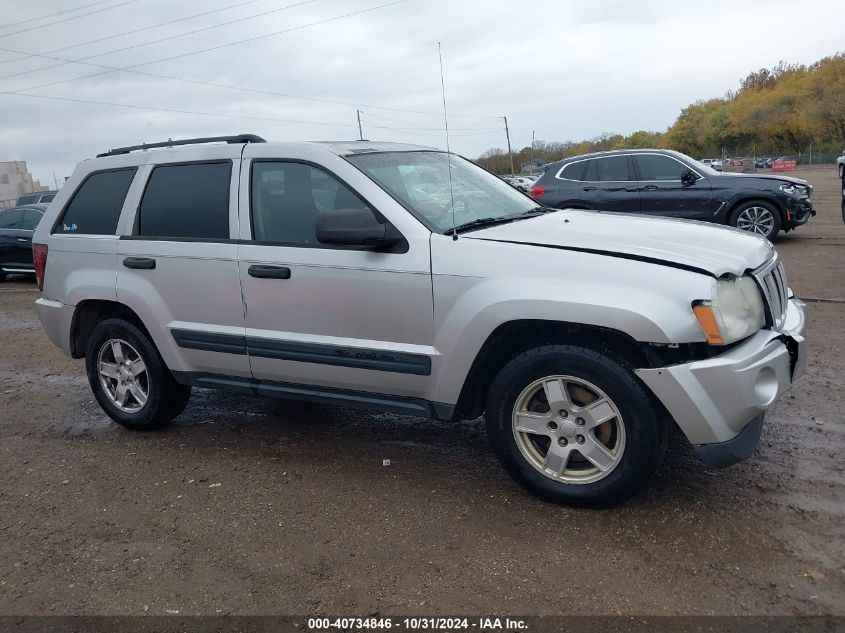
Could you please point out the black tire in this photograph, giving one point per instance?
(166, 398)
(733, 220)
(644, 423)
(841, 169)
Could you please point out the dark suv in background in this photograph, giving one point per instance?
(666, 183)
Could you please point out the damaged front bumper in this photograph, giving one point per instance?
(719, 403)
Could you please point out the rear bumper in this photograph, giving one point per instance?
(719, 403)
(56, 317)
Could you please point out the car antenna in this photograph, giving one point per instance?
(448, 151)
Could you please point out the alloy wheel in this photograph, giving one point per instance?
(123, 375)
(757, 220)
(568, 429)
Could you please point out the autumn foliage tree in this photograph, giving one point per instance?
(781, 110)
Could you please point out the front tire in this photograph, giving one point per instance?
(574, 426)
(130, 380)
(758, 217)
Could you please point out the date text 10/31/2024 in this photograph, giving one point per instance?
(417, 624)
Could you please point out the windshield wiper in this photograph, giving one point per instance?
(480, 222)
(475, 224)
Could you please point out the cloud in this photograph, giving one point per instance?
(563, 69)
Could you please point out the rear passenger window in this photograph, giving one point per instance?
(610, 169)
(95, 207)
(187, 201)
(573, 171)
(287, 198)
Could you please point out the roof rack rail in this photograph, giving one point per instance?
(239, 138)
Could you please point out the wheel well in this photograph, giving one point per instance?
(748, 199)
(515, 337)
(91, 312)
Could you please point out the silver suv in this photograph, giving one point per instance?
(402, 278)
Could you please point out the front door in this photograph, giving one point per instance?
(341, 319)
(663, 193)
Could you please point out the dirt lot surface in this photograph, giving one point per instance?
(254, 506)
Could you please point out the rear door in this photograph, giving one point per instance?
(177, 263)
(10, 222)
(610, 185)
(663, 194)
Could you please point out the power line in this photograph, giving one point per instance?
(51, 15)
(132, 69)
(125, 33)
(174, 110)
(81, 60)
(74, 17)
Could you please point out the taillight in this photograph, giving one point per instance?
(39, 258)
(536, 192)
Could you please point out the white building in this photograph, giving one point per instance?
(14, 181)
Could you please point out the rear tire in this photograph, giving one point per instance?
(129, 378)
(757, 217)
(596, 437)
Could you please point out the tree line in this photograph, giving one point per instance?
(790, 109)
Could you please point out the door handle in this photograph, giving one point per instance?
(632, 188)
(651, 188)
(24, 240)
(269, 272)
(589, 188)
(141, 263)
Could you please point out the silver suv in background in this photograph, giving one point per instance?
(318, 271)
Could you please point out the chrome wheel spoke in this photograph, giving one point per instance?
(538, 423)
(557, 458)
(137, 393)
(597, 413)
(596, 452)
(137, 367)
(556, 394)
(109, 370)
(120, 394)
(117, 352)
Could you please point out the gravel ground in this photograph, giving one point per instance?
(252, 506)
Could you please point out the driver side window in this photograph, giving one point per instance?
(287, 198)
(657, 167)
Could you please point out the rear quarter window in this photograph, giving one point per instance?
(573, 171)
(95, 207)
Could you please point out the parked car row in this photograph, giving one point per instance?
(666, 183)
(523, 183)
(17, 226)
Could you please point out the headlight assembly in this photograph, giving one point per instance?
(735, 313)
(793, 190)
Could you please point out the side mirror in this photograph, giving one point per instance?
(355, 227)
(688, 177)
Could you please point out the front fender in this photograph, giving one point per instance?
(648, 302)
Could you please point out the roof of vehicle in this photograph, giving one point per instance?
(35, 207)
(612, 152)
(342, 148)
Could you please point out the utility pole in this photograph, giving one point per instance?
(360, 131)
(508, 136)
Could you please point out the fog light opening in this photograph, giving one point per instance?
(766, 386)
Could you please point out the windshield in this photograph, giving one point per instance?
(421, 182)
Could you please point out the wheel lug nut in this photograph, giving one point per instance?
(580, 439)
(563, 413)
(579, 421)
(562, 441)
(552, 425)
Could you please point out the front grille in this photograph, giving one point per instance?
(772, 281)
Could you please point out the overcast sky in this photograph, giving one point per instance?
(569, 70)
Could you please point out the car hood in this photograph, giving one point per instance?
(766, 178)
(686, 244)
